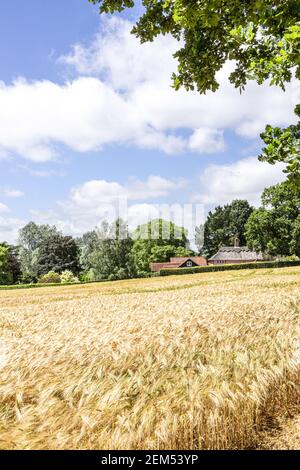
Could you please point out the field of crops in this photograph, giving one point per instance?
(188, 362)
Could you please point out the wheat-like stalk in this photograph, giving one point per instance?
(188, 362)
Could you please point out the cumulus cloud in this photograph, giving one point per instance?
(142, 73)
(120, 93)
(91, 202)
(74, 219)
(244, 179)
(118, 57)
(95, 192)
(94, 201)
(207, 140)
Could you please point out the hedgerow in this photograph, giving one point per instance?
(228, 267)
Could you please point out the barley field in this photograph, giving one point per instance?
(204, 361)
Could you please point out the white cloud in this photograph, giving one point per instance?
(206, 140)
(3, 208)
(75, 219)
(93, 201)
(244, 179)
(139, 214)
(123, 95)
(118, 57)
(169, 144)
(13, 193)
(95, 192)
(153, 187)
(9, 227)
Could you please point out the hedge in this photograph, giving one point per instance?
(35, 286)
(61, 284)
(228, 267)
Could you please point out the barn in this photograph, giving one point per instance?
(235, 254)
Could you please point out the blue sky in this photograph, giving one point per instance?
(87, 115)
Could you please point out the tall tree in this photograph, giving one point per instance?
(31, 238)
(6, 276)
(224, 224)
(88, 245)
(33, 235)
(261, 37)
(275, 227)
(57, 253)
(110, 253)
(14, 263)
(158, 241)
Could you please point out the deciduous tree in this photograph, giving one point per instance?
(158, 241)
(224, 224)
(260, 37)
(275, 227)
(31, 238)
(57, 253)
(109, 251)
(6, 276)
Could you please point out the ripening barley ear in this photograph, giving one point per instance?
(150, 364)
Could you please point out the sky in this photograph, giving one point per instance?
(88, 116)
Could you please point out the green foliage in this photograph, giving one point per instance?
(223, 225)
(26, 286)
(6, 276)
(88, 245)
(290, 258)
(229, 267)
(57, 253)
(275, 227)
(14, 263)
(67, 277)
(50, 278)
(28, 278)
(10, 271)
(31, 238)
(283, 145)
(108, 252)
(32, 235)
(164, 253)
(28, 260)
(261, 37)
(43, 249)
(158, 241)
(88, 276)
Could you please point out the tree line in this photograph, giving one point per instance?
(273, 228)
(44, 254)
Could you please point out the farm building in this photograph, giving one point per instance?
(187, 262)
(235, 254)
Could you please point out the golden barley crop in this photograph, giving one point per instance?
(204, 361)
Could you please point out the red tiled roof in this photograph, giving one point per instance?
(159, 266)
(177, 262)
(196, 259)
